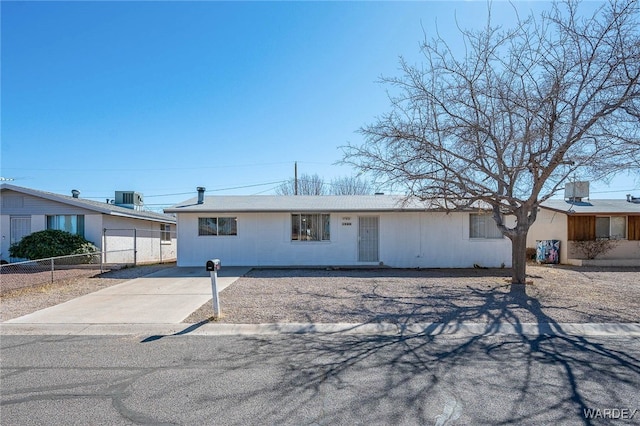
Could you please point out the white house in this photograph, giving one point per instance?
(334, 231)
(124, 231)
(571, 220)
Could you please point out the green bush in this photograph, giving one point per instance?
(51, 243)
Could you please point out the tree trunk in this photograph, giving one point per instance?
(519, 260)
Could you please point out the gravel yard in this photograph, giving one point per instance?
(556, 294)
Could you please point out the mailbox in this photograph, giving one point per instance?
(213, 265)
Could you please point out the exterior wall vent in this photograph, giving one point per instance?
(129, 199)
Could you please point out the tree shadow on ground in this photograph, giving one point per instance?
(547, 376)
(490, 303)
(379, 272)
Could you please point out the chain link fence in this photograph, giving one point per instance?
(147, 245)
(121, 248)
(43, 271)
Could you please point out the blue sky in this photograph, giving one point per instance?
(162, 97)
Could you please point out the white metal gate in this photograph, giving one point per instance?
(368, 238)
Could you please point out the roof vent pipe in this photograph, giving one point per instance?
(628, 198)
(75, 193)
(201, 190)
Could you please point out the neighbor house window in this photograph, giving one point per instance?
(310, 227)
(71, 223)
(165, 233)
(217, 226)
(611, 227)
(483, 226)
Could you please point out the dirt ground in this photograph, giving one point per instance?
(554, 294)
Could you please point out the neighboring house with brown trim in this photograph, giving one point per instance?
(121, 228)
(569, 221)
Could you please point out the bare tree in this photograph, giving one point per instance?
(307, 185)
(350, 185)
(519, 111)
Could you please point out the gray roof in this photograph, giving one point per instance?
(593, 206)
(304, 203)
(367, 203)
(95, 206)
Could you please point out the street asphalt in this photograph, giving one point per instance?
(319, 379)
(122, 356)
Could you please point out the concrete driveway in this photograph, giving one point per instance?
(164, 297)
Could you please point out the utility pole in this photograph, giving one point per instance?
(295, 180)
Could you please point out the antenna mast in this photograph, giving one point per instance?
(295, 179)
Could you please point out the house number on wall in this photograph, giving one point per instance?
(346, 221)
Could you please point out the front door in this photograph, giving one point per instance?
(20, 227)
(368, 238)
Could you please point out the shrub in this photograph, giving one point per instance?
(51, 243)
(593, 248)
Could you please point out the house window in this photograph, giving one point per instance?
(611, 227)
(165, 233)
(310, 227)
(483, 226)
(71, 223)
(217, 226)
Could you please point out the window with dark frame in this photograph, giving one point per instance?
(611, 227)
(310, 227)
(73, 224)
(217, 226)
(165, 233)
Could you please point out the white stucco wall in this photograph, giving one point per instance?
(406, 240)
(550, 225)
(623, 249)
(93, 229)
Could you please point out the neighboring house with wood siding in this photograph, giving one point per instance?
(569, 221)
(128, 233)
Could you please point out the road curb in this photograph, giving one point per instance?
(382, 329)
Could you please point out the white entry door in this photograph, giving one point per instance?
(368, 238)
(20, 227)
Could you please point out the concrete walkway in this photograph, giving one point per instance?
(165, 297)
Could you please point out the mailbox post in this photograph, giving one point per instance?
(213, 266)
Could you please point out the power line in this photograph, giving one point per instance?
(249, 186)
(209, 190)
(617, 190)
(151, 169)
